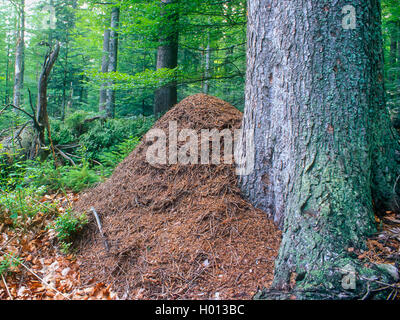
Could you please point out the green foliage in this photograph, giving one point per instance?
(103, 137)
(61, 133)
(106, 141)
(8, 262)
(148, 79)
(68, 131)
(12, 170)
(391, 37)
(7, 117)
(110, 159)
(76, 121)
(98, 135)
(44, 174)
(66, 226)
(22, 204)
(79, 178)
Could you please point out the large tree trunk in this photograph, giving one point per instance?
(325, 153)
(104, 69)
(167, 57)
(113, 61)
(19, 56)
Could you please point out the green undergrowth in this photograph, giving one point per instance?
(95, 147)
(66, 226)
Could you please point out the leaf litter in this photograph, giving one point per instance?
(43, 273)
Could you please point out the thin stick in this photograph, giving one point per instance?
(41, 280)
(394, 191)
(8, 241)
(65, 156)
(5, 283)
(46, 284)
(96, 216)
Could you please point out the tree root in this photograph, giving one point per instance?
(369, 283)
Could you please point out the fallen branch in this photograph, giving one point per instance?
(5, 284)
(67, 146)
(94, 119)
(23, 111)
(96, 216)
(65, 156)
(394, 191)
(79, 157)
(41, 280)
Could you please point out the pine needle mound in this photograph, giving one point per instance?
(179, 231)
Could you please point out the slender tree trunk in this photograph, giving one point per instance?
(104, 69)
(64, 90)
(20, 57)
(69, 105)
(42, 118)
(6, 80)
(112, 67)
(398, 47)
(167, 56)
(228, 68)
(393, 50)
(206, 87)
(325, 152)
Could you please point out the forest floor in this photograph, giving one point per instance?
(174, 232)
(43, 272)
(48, 274)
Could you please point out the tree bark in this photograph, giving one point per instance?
(167, 56)
(104, 69)
(113, 61)
(19, 57)
(206, 87)
(42, 118)
(6, 97)
(325, 151)
(65, 77)
(393, 50)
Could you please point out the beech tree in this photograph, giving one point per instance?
(325, 157)
(19, 54)
(104, 69)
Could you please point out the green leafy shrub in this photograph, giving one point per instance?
(44, 174)
(8, 262)
(103, 137)
(106, 142)
(40, 174)
(110, 159)
(12, 169)
(66, 226)
(21, 204)
(76, 121)
(79, 178)
(61, 133)
(72, 128)
(99, 136)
